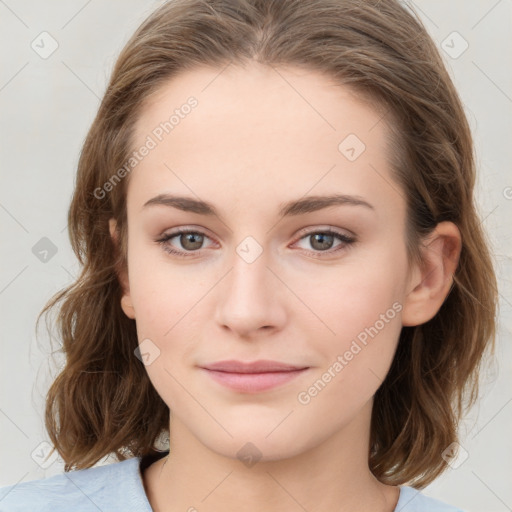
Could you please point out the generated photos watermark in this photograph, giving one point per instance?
(152, 140)
(358, 343)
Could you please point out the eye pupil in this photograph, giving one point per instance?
(195, 238)
(324, 239)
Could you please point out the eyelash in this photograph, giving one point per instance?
(346, 240)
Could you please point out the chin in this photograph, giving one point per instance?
(251, 444)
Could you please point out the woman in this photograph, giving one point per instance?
(282, 268)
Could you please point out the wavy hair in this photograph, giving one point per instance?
(102, 401)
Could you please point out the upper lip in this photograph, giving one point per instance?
(261, 366)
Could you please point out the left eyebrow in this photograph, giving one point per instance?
(310, 204)
(301, 206)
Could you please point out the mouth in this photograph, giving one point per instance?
(252, 377)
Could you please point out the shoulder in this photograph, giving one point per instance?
(116, 486)
(412, 500)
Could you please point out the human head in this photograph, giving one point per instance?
(383, 53)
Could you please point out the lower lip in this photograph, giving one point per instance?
(253, 382)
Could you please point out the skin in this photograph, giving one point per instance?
(258, 138)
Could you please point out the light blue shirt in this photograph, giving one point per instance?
(119, 487)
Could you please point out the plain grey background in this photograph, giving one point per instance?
(56, 59)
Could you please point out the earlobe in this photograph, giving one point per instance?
(122, 276)
(430, 285)
(127, 307)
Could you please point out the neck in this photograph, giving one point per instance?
(333, 476)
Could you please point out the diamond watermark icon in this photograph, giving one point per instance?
(44, 45)
(351, 147)
(44, 250)
(454, 45)
(249, 455)
(147, 352)
(249, 249)
(455, 455)
(40, 455)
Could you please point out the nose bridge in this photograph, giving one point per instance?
(250, 276)
(249, 298)
(249, 266)
(249, 261)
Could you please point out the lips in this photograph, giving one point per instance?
(261, 366)
(252, 377)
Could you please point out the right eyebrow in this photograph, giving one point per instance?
(187, 204)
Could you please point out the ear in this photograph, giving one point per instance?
(431, 282)
(122, 274)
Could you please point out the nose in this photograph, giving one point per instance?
(250, 299)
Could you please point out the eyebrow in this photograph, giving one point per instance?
(301, 206)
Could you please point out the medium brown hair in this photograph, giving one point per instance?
(102, 402)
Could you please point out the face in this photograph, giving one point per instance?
(269, 268)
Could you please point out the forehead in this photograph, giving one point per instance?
(257, 131)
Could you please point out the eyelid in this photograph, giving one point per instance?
(309, 230)
(166, 236)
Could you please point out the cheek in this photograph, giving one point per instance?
(360, 307)
(353, 298)
(163, 298)
(169, 310)
(161, 292)
(355, 359)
